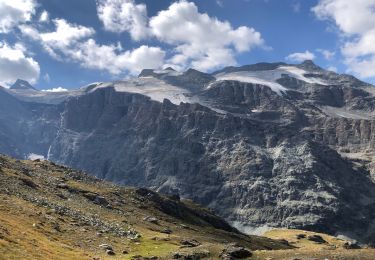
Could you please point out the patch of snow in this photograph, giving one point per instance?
(352, 114)
(250, 230)
(91, 84)
(168, 72)
(299, 74)
(269, 77)
(157, 90)
(34, 156)
(254, 78)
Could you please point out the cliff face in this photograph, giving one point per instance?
(267, 145)
(253, 174)
(26, 128)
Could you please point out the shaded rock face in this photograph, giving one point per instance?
(25, 127)
(252, 174)
(22, 85)
(299, 159)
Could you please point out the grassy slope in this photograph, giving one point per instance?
(306, 249)
(42, 219)
(45, 213)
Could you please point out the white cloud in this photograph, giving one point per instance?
(332, 68)
(65, 36)
(300, 56)
(110, 58)
(201, 41)
(15, 65)
(296, 7)
(59, 89)
(70, 42)
(328, 55)
(47, 78)
(220, 3)
(356, 22)
(15, 12)
(197, 40)
(44, 17)
(124, 16)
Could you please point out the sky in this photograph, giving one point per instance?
(65, 44)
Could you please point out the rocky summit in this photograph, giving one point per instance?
(264, 146)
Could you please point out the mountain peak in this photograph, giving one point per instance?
(170, 68)
(21, 84)
(309, 65)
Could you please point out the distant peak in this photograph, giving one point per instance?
(309, 65)
(21, 84)
(308, 62)
(170, 68)
(146, 73)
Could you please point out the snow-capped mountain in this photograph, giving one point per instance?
(264, 145)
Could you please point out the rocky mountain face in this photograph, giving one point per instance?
(264, 145)
(22, 84)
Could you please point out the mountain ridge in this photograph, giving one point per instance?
(232, 141)
(22, 85)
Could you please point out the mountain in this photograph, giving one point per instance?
(22, 85)
(265, 145)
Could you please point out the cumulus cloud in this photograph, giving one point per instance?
(328, 55)
(198, 40)
(55, 90)
(60, 41)
(110, 57)
(15, 12)
(47, 78)
(124, 16)
(44, 17)
(15, 65)
(65, 36)
(71, 42)
(356, 22)
(332, 68)
(201, 41)
(300, 56)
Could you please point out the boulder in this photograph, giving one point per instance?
(317, 239)
(235, 251)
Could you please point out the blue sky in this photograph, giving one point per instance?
(55, 43)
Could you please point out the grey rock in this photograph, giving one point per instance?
(110, 252)
(316, 238)
(235, 251)
(190, 243)
(300, 159)
(350, 245)
(106, 247)
(22, 85)
(151, 220)
(191, 256)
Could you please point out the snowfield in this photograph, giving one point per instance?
(269, 77)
